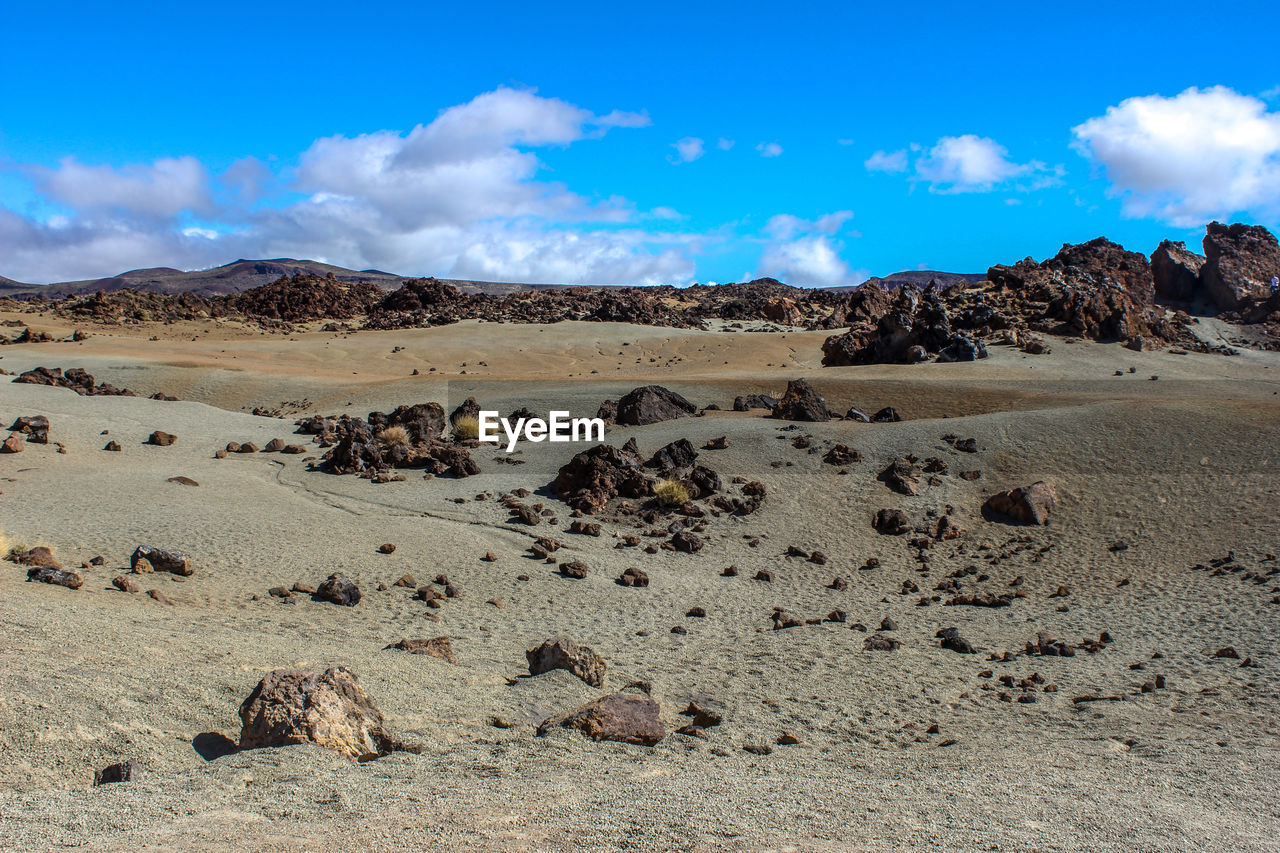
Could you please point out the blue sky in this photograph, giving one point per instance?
(817, 142)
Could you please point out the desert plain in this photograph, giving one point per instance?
(1164, 536)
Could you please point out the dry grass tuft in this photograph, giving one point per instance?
(394, 436)
(671, 493)
(466, 428)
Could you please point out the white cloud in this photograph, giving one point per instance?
(462, 195)
(806, 253)
(968, 163)
(845, 141)
(1200, 155)
(882, 161)
(687, 150)
(160, 190)
(769, 149)
(965, 164)
(724, 144)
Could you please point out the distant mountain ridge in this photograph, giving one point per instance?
(242, 275)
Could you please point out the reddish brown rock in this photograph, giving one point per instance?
(623, 717)
(1025, 504)
(329, 709)
(161, 439)
(162, 560)
(436, 647)
(801, 403)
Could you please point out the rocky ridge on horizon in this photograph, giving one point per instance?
(1095, 290)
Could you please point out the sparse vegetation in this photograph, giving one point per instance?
(671, 493)
(394, 436)
(466, 428)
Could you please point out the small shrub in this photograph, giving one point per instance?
(394, 436)
(671, 493)
(466, 428)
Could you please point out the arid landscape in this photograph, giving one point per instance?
(987, 565)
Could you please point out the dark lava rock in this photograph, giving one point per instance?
(1239, 263)
(125, 771)
(652, 404)
(801, 403)
(336, 589)
(594, 477)
(891, 522)
(1176, 271)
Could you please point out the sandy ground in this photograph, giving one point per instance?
(1183, 469)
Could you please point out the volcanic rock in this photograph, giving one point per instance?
(1025, 504)
(330, 709)
(436, 647)
(563, 653)
(1239, 263)
(623, 717)
(1176, 271)
(652, 404)
(336, 589)
(801, 403)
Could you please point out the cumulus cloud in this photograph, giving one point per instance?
(158, 190)
(965, 164)
(806, 252)
(687, 150)
(769, 149)
(462, 195)
(724, 144)
(968, 163)
(886, 161)
(1199, 155)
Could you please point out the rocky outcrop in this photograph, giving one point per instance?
(624, 717)
(304, 297)
(563, 653)
(75, 378)
(596, 476)
(801, 403)
(1239, 263)
(652, 404)
(1175, 272)
(329, 709)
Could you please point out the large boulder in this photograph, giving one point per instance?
(801, 403)
(624, 717)
(594, 477)
(1025, 504)
(1239, 263)
(563, 653)
(337, 589)
(330, 709)
(652, 404)
(677, 454)
(1176, 271)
